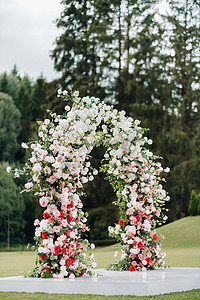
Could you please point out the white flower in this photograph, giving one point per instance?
(8, 169)
(137, 122)
(24, 145)
(92, 246)
(167, 170)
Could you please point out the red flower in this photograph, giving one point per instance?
(148, 260)
(132, 268)
(138, 219)
(69, 218)
(46, 215)
(43, 256)
(155, 237)
(61, 215)
(57, 250)
(67, 232)
(140, 245)
(44, 235)
(71, 204)
(64, 250)
(121, 222)
(69, 261)
(81, 274)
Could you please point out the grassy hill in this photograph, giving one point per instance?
(183, 233)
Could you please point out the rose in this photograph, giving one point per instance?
(140, 245)
(28, 185)
(132, 268)
(121, 222)
(155, 237)
(45, 234)
(57, 250)
(43, 256)
(70, 262)
(148, 260)
(52, 179)
(46, 215)
(69, 218)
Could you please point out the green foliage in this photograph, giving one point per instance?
(12, 206)
(10, 128)
(198, 200)
(193, 205)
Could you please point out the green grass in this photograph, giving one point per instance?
(183, 233)
(192, 295)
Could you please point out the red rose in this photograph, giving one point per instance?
(43, 256)
(64, 250)
(69, 218)
(69, 261)
(138, 219)
(71, 204)
(132, 268)
(148, 260)
(81, 274)
(57, 250)
(67, 232)
(44, 235)
(46, 215)
(155, 237)
(121, 222)
(61, 215)
(140, 245)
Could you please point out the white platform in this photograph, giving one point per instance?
(111, 283)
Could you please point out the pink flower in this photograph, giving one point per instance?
(28, 185)
(56, 229)
(43, 201)
(64, 222)
(36, 222)
(52, 179)
(37, 168)
(33, 159)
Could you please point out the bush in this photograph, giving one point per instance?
(193, 205)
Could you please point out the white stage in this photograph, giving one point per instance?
(111, 283)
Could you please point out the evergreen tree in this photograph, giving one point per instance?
(10, 128)
(193, 205)
(25, 105)
(38, 98)
(77, 54)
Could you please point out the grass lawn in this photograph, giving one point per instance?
(192, 295)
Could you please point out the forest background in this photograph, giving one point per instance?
(129, 55)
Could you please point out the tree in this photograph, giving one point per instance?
(77, 54)
(11, 207)
(193, 205)
(10, 128)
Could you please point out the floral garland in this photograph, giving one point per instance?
(59, 167)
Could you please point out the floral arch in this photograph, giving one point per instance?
(59, 167)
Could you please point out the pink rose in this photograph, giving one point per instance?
(43, 201)
(56, 229)
(52, 179)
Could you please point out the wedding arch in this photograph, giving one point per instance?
(59, 167)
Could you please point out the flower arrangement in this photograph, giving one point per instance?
(58, 169)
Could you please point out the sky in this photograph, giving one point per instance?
(27, 34)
